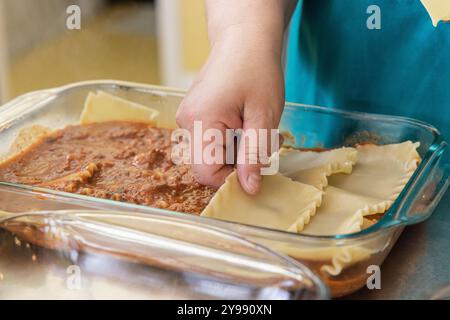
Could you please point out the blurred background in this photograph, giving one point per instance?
(151, 41)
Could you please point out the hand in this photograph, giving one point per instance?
(240, 86)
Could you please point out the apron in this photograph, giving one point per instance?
(387, 58)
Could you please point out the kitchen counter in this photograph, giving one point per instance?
(419, 263)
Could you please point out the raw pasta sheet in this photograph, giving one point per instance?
(380, 172)
(343, 212)
(281, 204)
(379, 175)
(102, 106)
(313, 167)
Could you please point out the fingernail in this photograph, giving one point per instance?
(253, 183)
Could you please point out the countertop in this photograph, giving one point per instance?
(419, 263)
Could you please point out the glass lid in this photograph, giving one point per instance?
(115, 255)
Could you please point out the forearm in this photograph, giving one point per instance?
(260, 21)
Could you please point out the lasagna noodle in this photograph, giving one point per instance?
(281, 204)
(103, 107)
(334, 258)
(381, 172)
(313, 168)
(379, 175)
(367, 223)
(343, 212)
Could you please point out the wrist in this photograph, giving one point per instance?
(246, 21)
(249, 37)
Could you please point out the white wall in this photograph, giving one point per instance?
(169, 44)
(28, 22)
(3, 56)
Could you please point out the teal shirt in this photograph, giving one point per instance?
(335, 61)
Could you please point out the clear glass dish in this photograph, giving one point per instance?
(341, 261)
(94, 254)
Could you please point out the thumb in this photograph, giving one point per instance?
(251, 151)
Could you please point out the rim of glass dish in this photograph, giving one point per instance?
(372, 231)
(297, 266)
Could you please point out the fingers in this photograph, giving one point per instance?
(211, 175)
(249, 176)
(256, 146)
(207, 140)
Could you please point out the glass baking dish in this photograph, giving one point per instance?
(341, 261)
(91, 254)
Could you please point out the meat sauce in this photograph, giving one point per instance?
(123, 161)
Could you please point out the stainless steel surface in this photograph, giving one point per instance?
(419, 264)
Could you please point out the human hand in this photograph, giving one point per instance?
(240, 86)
